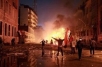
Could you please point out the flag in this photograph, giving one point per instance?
(66, 38)
(70, 38)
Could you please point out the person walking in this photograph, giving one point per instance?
(92, 47)
(1, 45)
(51, 44)
(60, 46)
(73, 46)
(43, 44)
(13, 42)
(70, 42)
(79, 46)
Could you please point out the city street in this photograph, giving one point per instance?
(32, 32)
(34, 57)
(68, 60)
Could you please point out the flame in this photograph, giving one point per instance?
(57, 33)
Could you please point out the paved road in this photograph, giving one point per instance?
(68, 60)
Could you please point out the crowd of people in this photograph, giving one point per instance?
(75, 45)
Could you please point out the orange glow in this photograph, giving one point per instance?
(57, 33)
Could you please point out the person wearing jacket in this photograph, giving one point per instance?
(79, 46)
(92, 47)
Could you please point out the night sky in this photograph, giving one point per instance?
(47, 10)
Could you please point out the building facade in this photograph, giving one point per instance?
(100, 21)
(27, 20)
(39, 31)
(93, 20)
(8, 19)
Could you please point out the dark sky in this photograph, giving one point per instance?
(47, 10)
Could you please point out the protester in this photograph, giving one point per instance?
(70, 42)
(13, 42)
(1, 44)
(60, 45)
(79, 46)
(73, 46)
(43, 44)
(92, 47)
(51, 44)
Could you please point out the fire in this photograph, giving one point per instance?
(57, 33)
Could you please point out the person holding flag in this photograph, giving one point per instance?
(66, 38)
(70, 41)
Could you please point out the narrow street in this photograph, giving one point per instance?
(68, 60)
(33, 31)
(31, 56)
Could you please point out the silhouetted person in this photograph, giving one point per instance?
(79, 46)
(70, 41)
(51, 44)
(13, 42)
(59, 61)
(92, 47)
(43, 44)
(60, 42)
(1, 44)
(73, 46)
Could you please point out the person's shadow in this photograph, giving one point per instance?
(59, 61)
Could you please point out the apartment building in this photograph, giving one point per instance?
(8, 19)
(27, 22)
(92, 19)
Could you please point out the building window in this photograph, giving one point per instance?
(101, 26)
(5, 29)
(9, 30)
(6, 7)
(4, 63)
(9, 9)
(15, 31)
(0, 27)
(14, 3)
(12, 31)
(101, 21)
(101, 2)
(1, 3)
